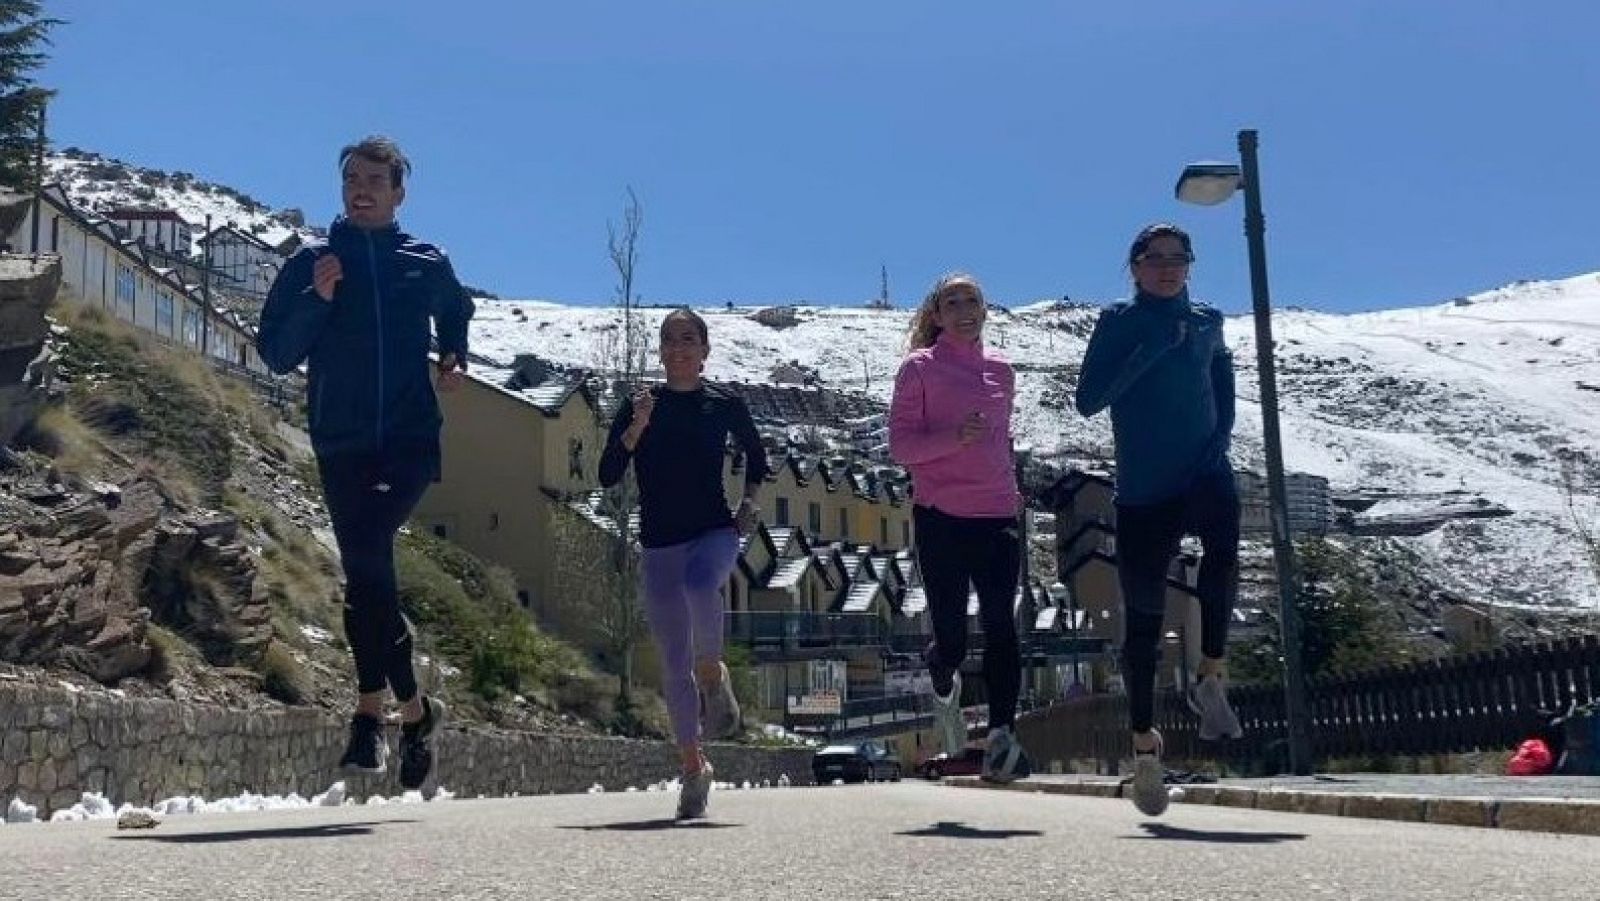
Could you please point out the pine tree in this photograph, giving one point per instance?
(1345, 624)
(24, 32)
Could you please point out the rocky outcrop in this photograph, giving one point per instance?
(70, 575)
(201, 579)
(27, 286)
(777, 317)
(77, 568)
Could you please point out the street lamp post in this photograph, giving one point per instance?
(1213, 183)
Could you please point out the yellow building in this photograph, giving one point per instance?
(509, 456)
(840, 500)
(510, 453)
(1086, 548)
(818, 613)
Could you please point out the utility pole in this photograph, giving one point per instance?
(38, 179)
(205, 291)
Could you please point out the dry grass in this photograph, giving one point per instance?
(63, 437)
(298, 574)
(170, 655)
(283, 676)
(162, 404)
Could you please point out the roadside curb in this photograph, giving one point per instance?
(1561, 815)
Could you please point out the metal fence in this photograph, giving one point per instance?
(1473, 702)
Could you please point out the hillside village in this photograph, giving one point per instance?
(1439, 483)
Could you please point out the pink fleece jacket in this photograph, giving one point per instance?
(936, 388)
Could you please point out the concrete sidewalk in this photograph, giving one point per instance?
(1565, 804)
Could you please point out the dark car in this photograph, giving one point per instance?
(866, 761)
(968, 763)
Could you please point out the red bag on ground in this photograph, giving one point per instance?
(1533, 758)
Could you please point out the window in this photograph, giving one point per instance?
(439, 531)
(126, 287)
(164, 314)
(55, 234)
(844, 523)
(191, 326)
(494, 521)
(905, 533)
(814, 518)
(783, 511)
(883, 530)
(524, 599)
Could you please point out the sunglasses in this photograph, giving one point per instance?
(1164, 259)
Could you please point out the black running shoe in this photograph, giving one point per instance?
(416, 744)
(367, 752)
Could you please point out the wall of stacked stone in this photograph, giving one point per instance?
(56, 744)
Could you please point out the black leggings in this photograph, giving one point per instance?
(369, 498)
(957, 554)
(1147, 541)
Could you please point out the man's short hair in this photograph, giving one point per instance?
(378, 149)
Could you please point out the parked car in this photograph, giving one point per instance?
(968, 763)
(866, 761)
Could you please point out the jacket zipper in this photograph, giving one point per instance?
(377, 307)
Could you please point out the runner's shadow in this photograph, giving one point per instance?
(1174, 833)
(329, 830)
(652, 825)
(948, 829)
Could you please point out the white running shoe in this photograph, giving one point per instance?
(1217, 719)
(1004, 760)
(1149, 780)
(947, 717)
(695, 793)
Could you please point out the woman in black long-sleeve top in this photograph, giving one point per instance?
(675, 435)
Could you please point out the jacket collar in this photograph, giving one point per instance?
(958, 348)
(344, 233)
(1174, 305)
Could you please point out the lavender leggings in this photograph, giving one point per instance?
(683, 601)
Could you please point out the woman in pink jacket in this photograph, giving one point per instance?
(950, 425)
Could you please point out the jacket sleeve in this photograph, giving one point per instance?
(614, 459)
(1222, 387)
(910, 440)
(452, 311)
(1114, 360)
(294, 316)
(756, 468)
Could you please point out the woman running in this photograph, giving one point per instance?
(676, 435)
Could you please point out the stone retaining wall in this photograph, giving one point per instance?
(56, 744)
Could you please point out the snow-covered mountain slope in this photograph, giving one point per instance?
(1424, 405)
(1475, 396)
(101, 184)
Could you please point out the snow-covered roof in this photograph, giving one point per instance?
(860, 596)
(789, 572)
(914, 601)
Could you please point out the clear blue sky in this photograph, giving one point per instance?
(1411, 151)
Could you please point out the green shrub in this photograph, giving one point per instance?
(467, 611)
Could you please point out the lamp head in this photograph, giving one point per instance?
(1208, 184)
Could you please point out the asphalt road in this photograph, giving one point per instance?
(908, 840)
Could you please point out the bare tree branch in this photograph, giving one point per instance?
(609, 591)
(1572, 484)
